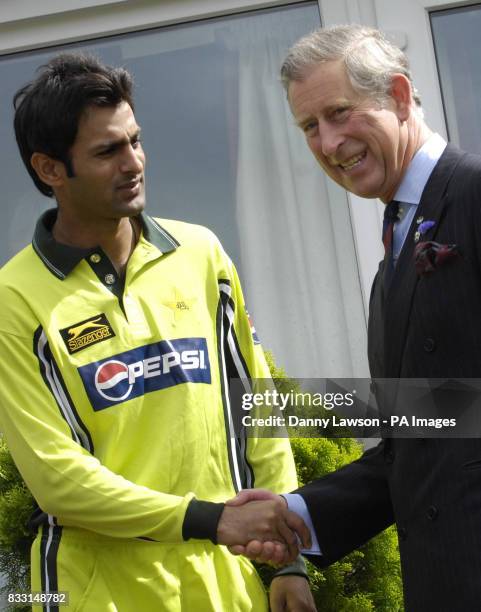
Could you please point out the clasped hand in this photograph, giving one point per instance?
(258, 525)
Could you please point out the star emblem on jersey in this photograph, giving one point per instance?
(180, 305)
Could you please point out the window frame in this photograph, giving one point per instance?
(35, 26)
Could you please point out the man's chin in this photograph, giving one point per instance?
(363, 191)
(139, 204)
(354, 187)
(134, 206)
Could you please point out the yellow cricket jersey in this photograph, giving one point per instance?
(114, 399)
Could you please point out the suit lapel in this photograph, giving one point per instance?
(401, 291)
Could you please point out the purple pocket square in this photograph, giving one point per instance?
(430, 255)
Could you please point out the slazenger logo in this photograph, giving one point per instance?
(83, 334)
(146, 369)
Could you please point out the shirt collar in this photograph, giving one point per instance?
(61, 259)
(419, 170)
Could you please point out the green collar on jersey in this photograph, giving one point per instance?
(61, 259)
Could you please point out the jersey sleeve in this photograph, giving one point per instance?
(269, 461)
(66, 480)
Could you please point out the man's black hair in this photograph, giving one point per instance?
(48, 110)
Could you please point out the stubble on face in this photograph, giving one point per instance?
(108, 165)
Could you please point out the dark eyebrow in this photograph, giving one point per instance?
(111, 145)
(136, 134)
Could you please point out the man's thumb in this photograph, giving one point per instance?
(248, 495)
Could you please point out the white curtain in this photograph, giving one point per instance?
(298, 260)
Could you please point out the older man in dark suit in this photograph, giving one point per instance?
(351, 93)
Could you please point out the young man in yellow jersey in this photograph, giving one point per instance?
(118, 336)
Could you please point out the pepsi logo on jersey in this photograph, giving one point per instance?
(145, 369)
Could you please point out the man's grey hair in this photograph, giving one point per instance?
(370, 59)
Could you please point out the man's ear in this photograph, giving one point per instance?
(50, 171)
(401, 94)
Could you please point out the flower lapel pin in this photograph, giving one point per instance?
(423, 228)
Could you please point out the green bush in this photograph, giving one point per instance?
(16, 506)
(367, 579)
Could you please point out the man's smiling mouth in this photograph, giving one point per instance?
(352, 162)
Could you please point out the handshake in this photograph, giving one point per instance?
(258, 525)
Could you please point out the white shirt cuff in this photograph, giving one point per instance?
(296, 503)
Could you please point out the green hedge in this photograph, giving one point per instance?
(367, 579)
(16, 506)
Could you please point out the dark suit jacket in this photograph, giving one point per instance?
(428, 326)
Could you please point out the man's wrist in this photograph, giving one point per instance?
(201, 520)
(298, 568)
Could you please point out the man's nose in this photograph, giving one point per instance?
(133, 159)
(330, 139)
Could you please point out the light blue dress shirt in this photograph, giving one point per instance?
(408, 195)
(412, 186)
